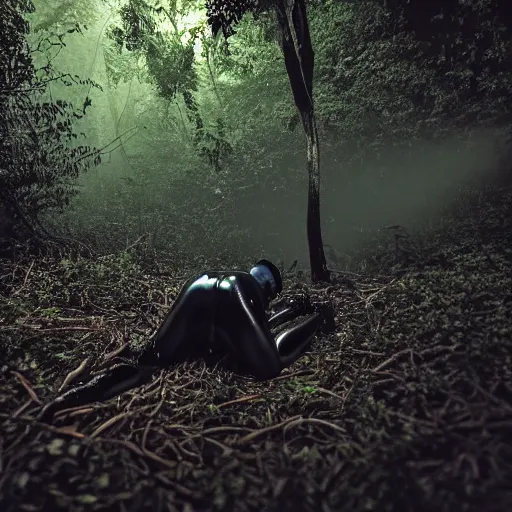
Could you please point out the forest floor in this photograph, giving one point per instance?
(406, 406)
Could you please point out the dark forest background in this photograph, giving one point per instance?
(136, 148)
(128, 125)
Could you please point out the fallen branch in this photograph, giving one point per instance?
(71, 376)
(257, 433)
(239, 400)
(25, 280)
(28, 387)
(391, 359)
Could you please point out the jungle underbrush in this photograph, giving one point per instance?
(406, 406)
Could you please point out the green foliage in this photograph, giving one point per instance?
(137, 25)
(169, 60)
(221, 160)
(50, 312)
(252, 52)
(39, 160)
(297, 385)
(59, 290)
(225, 14)
(112, 273)
(390, 74)
(171, 65)
(215, 139)
(51, 15)
(121, 65)
(109, 268)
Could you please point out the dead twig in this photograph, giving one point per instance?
(115, 353)
(108, 424)
(154, 412)
(257, 433)
(72, 375)
(294, 374)
(317, 421)
(28, 387)
(224, 429)
(328, 392)
(152, 455)
(391, 359)
(181, 489)
(17, 292)
(81, 412)
(31, 422)
(366, 352)
(239, 400)
(356, 378)
(70, 430)
(76, 411)
(23, 408)
(59, 329)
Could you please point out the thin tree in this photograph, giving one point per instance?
(298, 54)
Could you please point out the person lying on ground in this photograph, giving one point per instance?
(215, 312)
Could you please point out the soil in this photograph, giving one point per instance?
(407, 405)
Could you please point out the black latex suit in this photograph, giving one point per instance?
(215, 311)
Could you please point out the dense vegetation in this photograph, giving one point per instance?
(209, 153)
(137, 148)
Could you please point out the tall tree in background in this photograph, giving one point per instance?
(138, 33)
(299, 61)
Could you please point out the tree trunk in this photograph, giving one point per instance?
(299, 61)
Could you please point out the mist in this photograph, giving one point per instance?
(155, 185)
(256, 255)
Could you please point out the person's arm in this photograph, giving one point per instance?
(249, 339)
(294, 306)
(265, 355)
(293, 342)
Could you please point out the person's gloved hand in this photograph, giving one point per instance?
(301, 303)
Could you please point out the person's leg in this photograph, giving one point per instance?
(106, 385)
(184, 332)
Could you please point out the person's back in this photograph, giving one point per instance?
(219, 309)
(188, 324)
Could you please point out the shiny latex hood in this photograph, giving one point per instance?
(268, 277)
